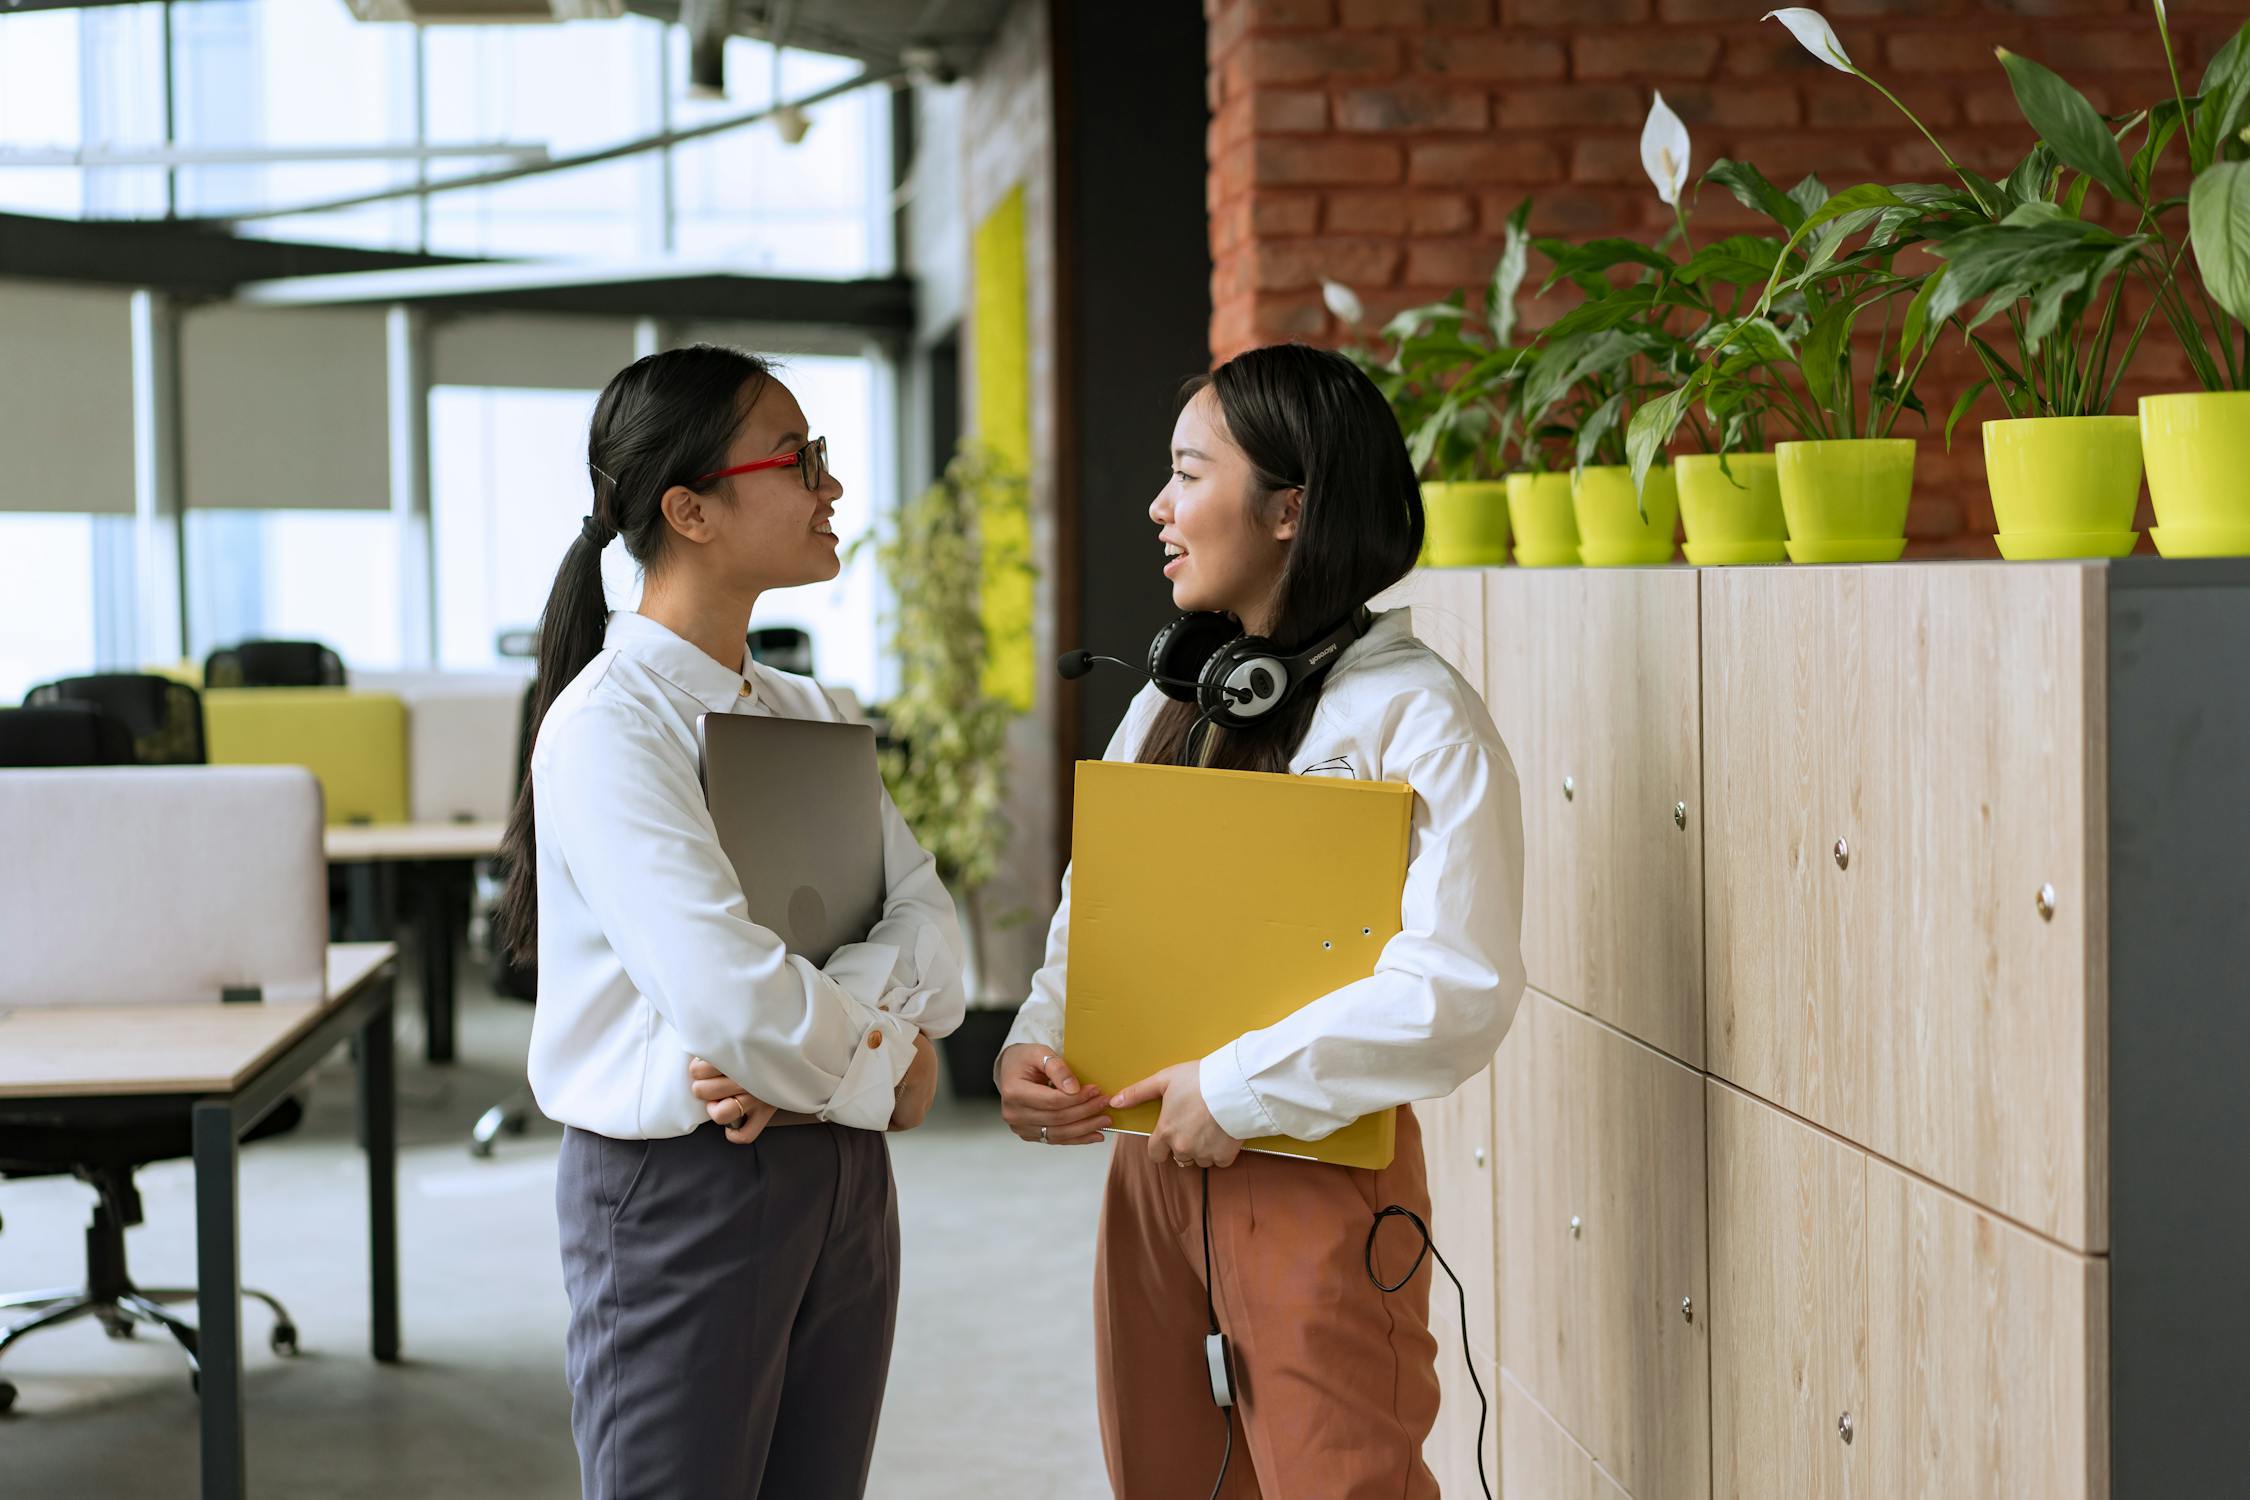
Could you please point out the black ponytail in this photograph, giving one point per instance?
(1306, 419)
(660, 422)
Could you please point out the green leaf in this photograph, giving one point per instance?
(1596, 427)
(2219, 227)
(1752, 191)
(1568, 361)
(1919, 325)
(1961, 409)
(2225, 102)
(1597, 257)
(1740, 260)
(1507, 277)
(2067, 123)
(2033, 180)
(1809, 194)
(2164, 122)
(1826, 359)
(1415, 319)
(1652, 427)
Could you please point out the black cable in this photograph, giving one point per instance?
(1211, 1312)
(1429, 1248)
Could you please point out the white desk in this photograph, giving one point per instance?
(441, 855)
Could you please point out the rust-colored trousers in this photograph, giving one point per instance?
(1336, 1381)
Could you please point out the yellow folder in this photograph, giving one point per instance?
(1205, 904)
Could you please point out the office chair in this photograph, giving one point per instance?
(785, 648)
(104, 1158)
(63, 734)
(165, 717)
(264, 664)
(510, 979)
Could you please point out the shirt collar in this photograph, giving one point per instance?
(1389, 628)
(673, 659)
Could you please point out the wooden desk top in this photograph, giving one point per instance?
(88, 1050)
(352, 842)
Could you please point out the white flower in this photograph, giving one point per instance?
(1812, 28)
(1664, 150)
(1341, 300)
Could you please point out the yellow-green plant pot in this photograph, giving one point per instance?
(1611, 532)
(1465, 523)
(1732, 513)
(1546, 526)
(2064, 486)
(2198, 452)
(1846, 489)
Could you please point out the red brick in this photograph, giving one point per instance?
(1230, 226)
(1733, 105)
(1640, 54)
(1607, 159)
(1288, 161)
(1452, 263)
(1288, 265)
(1417, 15)
(1441, 213)
(1933, 520)
(1451, 163)
(1415, 107)
(1285, 15)
(1281, 111)
(1309, 59)
(1276, 320)
(1232, 329)
(1230, 176)
(1701, 11)
(1937, 105)
(1365, 213)
(1224, 26)
(1576, 104)
(1771, 49)
(1278, 215)
(1506, 56)
(1572, 12)
(1460, 12)
(1787, 158)
(1573, 212)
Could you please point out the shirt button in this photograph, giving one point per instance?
(874, 1039)
(745, 691)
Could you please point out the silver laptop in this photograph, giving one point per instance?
(798, 804)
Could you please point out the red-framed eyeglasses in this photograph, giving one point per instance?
(811, 461)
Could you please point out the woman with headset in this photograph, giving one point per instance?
(1291, 503)
(733, 1284)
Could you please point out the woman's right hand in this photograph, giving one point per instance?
(743, 1115)
(1042, 1100)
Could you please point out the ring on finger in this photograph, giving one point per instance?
(1043, 1137)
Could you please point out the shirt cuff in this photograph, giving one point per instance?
(1028, 1028)
(869, 1091)
(1229, 1097)
(863, 971)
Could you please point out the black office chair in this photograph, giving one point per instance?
(102, 1157)
(510, 979)
(784, 648)
(165, 717)
(276, 664)
(63, 734)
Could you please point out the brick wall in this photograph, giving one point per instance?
(1383, 143)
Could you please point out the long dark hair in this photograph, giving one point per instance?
(1306, 419)
(661, 421)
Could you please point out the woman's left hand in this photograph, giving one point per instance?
(728, 1103)
(1185, 1133)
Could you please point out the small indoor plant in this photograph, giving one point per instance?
(947, 764)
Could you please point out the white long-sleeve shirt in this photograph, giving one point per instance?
(647, 954)
(1444, 990)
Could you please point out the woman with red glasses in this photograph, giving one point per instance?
(733, 1284)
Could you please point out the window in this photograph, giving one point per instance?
(327, 576)
(48, 627)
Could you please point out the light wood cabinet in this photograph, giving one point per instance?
(1906, 869)
(1788, 1307)
(1593, 681)
(1987, 1353)
(1457, 1145)
(1603, 1280)
(1538, 1460)
(1446, 609)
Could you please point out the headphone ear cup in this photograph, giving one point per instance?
(1182, 649)
(1227, 710)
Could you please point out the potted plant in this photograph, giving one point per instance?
(2198, 443)
(1445, 379)
(1846, 479)
(947, 766)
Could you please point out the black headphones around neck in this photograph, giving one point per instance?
(1238, 680)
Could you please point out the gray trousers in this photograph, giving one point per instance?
(731, 1311)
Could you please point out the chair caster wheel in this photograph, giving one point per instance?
(480, 1149)
(284, 1340)
(520, 1126)
(7, 1397)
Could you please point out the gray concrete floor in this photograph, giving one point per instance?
(991, 1387)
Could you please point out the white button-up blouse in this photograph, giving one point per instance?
(647, 954)
(1444, 990)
